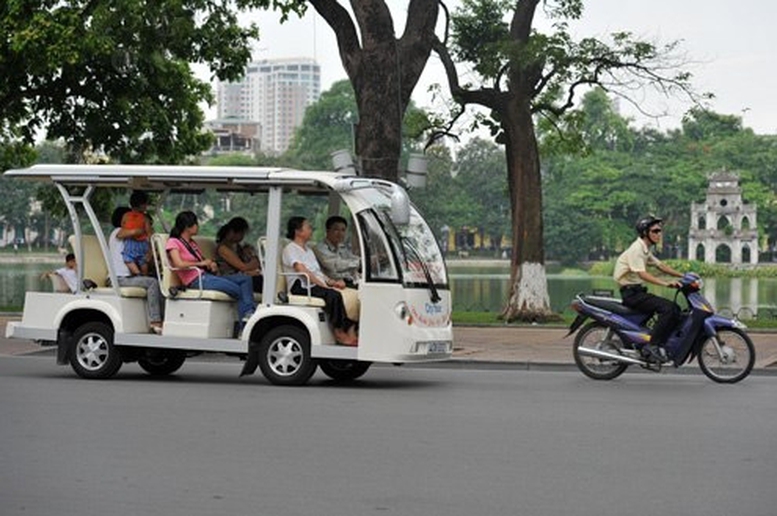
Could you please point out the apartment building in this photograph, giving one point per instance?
(274, 93)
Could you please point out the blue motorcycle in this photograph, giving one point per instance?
(606, 346)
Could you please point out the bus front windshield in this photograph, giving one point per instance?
(418, 254)
(417, 258)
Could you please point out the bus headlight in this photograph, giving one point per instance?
(403, 312)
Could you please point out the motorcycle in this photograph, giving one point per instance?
(613, 339)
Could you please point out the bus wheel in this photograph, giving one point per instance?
(284, 356)
(93, 354)
(343, 370)
(162, 362)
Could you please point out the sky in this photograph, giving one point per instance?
(730, 47)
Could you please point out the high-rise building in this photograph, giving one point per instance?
(274, 93)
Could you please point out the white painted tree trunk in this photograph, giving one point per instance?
(529, 300)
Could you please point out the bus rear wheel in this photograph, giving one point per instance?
(284, 356)
(343, 370)
(162, 362)
(93, 355)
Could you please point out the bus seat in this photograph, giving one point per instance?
(58, 283)
(207, 246)
(168, 280)
(96, 270)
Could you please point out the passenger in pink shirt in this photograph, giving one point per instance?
(194, 268)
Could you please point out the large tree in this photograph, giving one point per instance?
(383, 69)
(115, 77)
(523, 74)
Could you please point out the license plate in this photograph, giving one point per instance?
(437, 347)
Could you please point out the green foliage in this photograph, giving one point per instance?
(705, 270)
(625, 173)
(326, 127)
(117, 80)
(329, 125)
(474, 196)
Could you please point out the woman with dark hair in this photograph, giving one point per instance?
(194, 268)
(234, 257)
(298, 257)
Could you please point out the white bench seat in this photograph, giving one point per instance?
(96, 270)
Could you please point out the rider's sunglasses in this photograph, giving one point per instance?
(655, 231)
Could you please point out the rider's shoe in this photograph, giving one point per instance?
(654, 353)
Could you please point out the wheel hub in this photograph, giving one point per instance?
(285, 357)
(92, 352)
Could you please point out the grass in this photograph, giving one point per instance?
(492, 319)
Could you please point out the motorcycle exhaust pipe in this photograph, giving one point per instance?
(610, 356)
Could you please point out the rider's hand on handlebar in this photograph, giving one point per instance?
(674, 284)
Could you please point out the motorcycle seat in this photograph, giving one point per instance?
(610, 304)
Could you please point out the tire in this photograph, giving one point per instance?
(344, 370)
(162, 362)
(284, 356)
(592, 336)
(93, 355)
(738, 359)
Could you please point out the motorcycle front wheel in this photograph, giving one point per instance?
(597, 336)
(727, 358)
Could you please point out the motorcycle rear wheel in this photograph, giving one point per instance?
(592, 335)
(735, 359)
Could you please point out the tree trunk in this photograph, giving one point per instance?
(383, 70)
(381, 109)
(529, 300)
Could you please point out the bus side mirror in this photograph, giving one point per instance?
(400, 206)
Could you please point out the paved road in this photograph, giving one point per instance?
(403, 441)
(521, 346)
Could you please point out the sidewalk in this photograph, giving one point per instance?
(520, 345)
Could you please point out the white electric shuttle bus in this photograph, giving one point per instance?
(405, 302)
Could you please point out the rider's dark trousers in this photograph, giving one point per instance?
(639, 299)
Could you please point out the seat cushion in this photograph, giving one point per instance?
(210, 295)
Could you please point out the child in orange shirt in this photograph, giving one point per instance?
(136, 249)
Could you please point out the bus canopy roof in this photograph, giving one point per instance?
(179, 177)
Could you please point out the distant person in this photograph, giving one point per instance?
(235, 257)
(126, 278)
(138, 227)
(68, 274)
(193, 269)
(335, 256)
(298, 257)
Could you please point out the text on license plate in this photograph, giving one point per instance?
(437, 347)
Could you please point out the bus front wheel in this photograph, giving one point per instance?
(284, 356)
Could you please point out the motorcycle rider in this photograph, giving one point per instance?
(631, 275)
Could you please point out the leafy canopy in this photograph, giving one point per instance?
(115, 77)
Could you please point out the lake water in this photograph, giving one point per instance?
(476, 288)
(485, 288)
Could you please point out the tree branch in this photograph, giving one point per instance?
(488, 97)
(347, 39)
(523, 17)
(416, 42)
